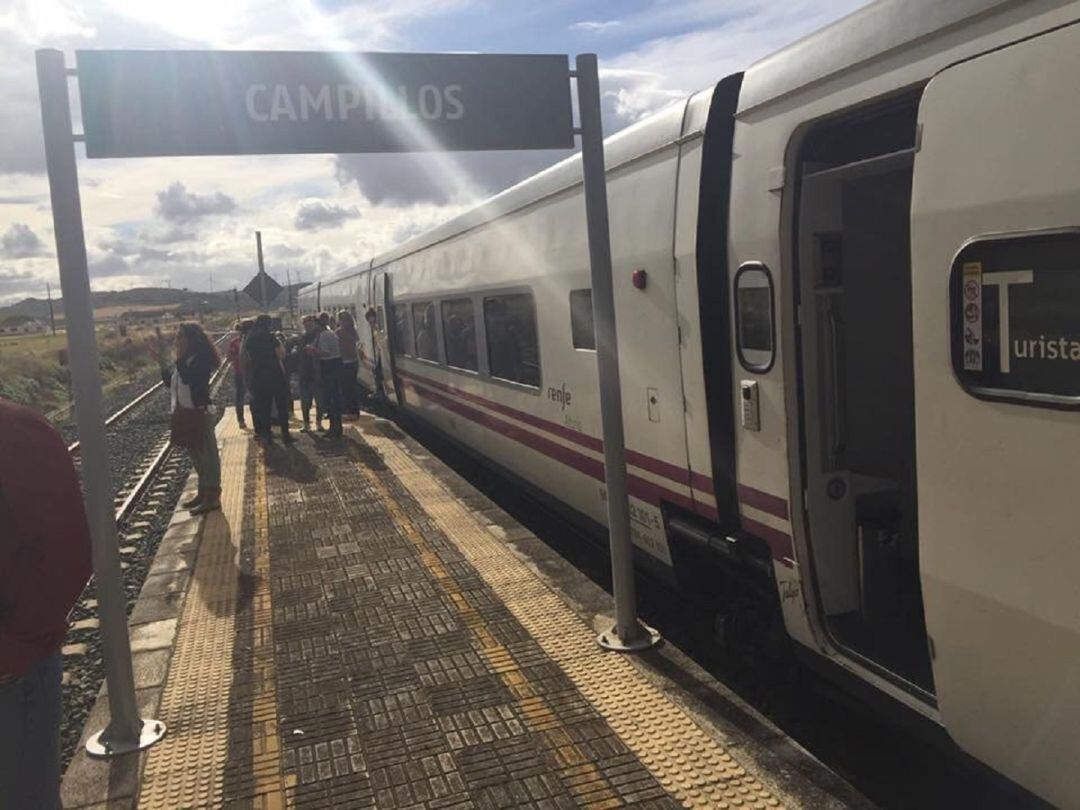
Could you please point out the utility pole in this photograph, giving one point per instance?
(52, 315)
(262, 272)
(288, 297)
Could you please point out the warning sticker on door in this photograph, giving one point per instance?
(972, 307)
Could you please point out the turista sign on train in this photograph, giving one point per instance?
(1015, 328)
(147, 103)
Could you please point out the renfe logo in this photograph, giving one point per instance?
(560, 395)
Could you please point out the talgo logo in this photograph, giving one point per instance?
(561, 395)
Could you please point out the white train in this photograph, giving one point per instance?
(848, 306)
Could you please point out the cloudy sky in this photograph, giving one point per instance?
(191, 221)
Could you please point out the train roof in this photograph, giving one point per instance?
(642, 138)
(862, 36)
(868, 33)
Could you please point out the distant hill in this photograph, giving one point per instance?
(143, 300)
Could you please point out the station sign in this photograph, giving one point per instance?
(1014, 324)
(158, 103)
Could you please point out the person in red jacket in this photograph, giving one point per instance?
(44, 565)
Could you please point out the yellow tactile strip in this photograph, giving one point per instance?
(269, 787)
(187, 769)
(692, 766)
(585, 781)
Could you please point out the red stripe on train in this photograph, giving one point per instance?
(656, 466)
(770, 504)
(583, 439)
(639, 487)
(779, 543)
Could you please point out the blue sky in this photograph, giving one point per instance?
(150, 222)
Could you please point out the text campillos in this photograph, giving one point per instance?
(345, 102)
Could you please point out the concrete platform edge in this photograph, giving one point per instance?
(90, 783)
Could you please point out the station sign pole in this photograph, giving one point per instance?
(126, 731)
(628, 633)
(171, 103)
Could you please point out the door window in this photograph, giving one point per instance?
(754, 327)
(1014, 327)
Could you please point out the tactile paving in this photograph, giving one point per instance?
(688, 763)
(186, 769)
(357, 636)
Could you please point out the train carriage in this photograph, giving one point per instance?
(846, 293)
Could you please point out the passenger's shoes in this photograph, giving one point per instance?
(212, 505)
(192, 502)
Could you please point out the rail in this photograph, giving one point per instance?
(73, 448)
(135, 493)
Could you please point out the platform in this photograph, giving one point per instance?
(359, 627)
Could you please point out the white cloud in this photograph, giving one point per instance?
(207, 224)
(595, 26)
(726, 36)
(177, 204)
(315, 215)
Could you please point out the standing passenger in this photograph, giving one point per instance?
(347, 340)
(308, 373)
(372, 318)
(328, 351)
(241, 328)
(44, 565)
(264, 369)
(192, 412)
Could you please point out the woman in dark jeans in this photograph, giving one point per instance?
(193, 414)
(350, 363)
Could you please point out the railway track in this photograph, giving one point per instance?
(152, 475)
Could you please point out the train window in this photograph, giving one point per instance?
(581, 320)
(380, 318)
(424, 326)
(754, 327)
(459, 333)
(1013, 318)
(402, 336)
(513, 348)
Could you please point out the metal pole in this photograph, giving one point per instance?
(288, 297)
(262, 272)
(52, 315)
(126, 731)
(628, 633)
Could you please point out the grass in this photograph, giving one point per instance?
(34, 372)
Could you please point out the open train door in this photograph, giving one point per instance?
(388, 333)
(996, 302)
